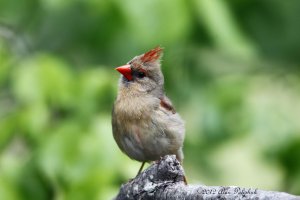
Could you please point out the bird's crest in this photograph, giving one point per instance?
(152, 55)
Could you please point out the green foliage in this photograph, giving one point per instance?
(231, 69)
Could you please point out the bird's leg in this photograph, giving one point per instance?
(141, 168)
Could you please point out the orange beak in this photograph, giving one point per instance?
(125, 70)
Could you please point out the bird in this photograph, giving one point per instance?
(145, 124)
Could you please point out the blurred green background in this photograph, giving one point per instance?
(231, 69)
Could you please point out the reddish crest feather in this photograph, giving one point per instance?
(152, 55)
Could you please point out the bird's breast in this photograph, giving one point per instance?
(135, 108)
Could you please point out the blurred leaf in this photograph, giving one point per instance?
(43, 78)
(223, 29)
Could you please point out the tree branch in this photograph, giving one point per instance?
(165, 180)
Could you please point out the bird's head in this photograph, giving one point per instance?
(143, 72)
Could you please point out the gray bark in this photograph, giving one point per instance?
(165, 180)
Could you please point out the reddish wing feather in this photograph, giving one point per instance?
(152, 55)
(167, 105)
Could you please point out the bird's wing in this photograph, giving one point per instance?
(166, 103)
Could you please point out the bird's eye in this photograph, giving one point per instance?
(141, 74)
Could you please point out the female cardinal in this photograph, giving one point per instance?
(145, 124)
